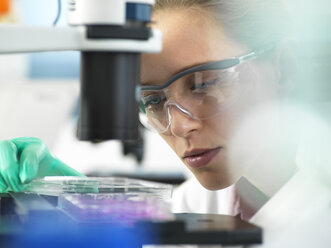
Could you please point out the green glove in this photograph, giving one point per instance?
(23, 159)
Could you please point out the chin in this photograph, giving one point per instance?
(215, 187)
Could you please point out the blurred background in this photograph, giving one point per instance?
(39, 97)
(39, 94)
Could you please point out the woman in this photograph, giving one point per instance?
(220, 61)
(201, 102)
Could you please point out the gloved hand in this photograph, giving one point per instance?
(23, 159)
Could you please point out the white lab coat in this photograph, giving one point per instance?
(241, 199)
(191, 197)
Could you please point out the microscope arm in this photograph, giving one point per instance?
(23, 39)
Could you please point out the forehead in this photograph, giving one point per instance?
(190, 37)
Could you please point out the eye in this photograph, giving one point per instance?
(153, 100)
(204, 85)
(152, 103)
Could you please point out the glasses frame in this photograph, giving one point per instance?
(215, 65)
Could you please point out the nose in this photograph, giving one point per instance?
(183, 123)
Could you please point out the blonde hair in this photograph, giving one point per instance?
(254, 23)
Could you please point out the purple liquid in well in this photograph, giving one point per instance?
(99, 207)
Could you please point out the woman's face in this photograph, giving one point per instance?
(191, 38)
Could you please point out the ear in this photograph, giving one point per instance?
(287, 63)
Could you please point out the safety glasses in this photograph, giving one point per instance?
(200, 92)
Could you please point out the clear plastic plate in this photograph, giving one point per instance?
(59, 185)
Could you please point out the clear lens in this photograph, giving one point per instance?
(203, 94)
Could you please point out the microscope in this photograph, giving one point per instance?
(110, 35)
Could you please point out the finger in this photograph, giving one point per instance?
(29, 164)
(32, 151)
(10, 176)
(9, 166)
(23, 142)
(3, 186)
(55, 167)
(13, 181)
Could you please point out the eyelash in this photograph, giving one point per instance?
(204, 85)
(159, 99)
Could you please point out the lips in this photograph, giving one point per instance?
(201, 157)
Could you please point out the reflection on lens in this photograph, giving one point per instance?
(200, 95)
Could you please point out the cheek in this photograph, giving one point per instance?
(222, 125)
(260, 85)
(253, 94)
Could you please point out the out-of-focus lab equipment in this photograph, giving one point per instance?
(4, 6)
(110, 36)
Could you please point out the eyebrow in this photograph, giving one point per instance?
(145, 83)
(193, 65)
(149, 83)
(152, 83)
